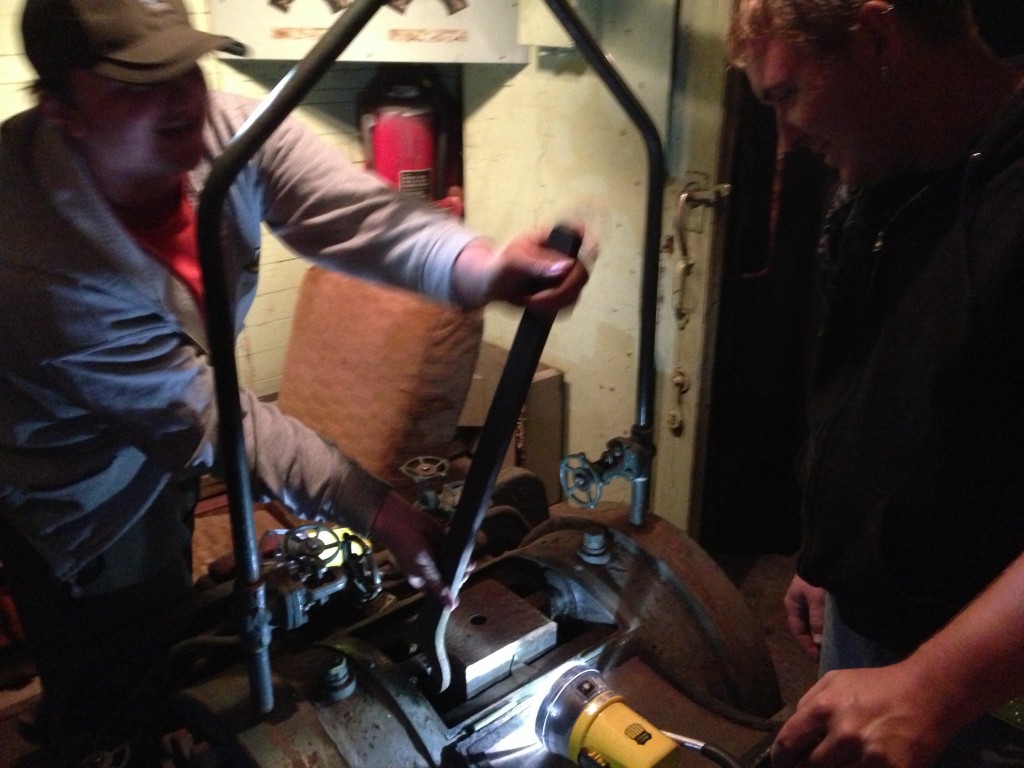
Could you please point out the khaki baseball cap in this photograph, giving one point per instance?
(135, 41)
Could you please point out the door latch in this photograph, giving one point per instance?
(693, 197)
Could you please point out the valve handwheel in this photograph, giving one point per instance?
(424, 468)
(580, 481)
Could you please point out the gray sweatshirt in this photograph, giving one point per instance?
(106, 387)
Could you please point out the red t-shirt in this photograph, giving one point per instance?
(172, 241)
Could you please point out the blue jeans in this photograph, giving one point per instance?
(988, 742)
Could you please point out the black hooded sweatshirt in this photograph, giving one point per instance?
(913, 471)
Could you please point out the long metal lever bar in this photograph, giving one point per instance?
(220, 323)
(495, 437)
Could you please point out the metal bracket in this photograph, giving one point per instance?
(695, 197)
(692, 197)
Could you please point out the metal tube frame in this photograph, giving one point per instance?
(220, 321)
(643, 430)
(278, 104)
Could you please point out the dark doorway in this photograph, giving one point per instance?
(750, 498)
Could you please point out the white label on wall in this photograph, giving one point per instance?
(452, 31)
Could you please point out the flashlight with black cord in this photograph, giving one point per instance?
(582, 719)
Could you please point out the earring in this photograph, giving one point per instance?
(885, 73)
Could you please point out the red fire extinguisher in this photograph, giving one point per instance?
(410, 129)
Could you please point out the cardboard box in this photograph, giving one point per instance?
(539, 440)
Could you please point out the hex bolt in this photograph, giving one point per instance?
(593, 547)
(338, 682)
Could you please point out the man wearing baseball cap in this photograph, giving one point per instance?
(133, 41)
(108, 417)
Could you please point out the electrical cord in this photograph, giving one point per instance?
(714, 753)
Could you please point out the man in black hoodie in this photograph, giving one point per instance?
(910, 577)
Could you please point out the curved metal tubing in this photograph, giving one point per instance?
(220, 324)
(643, 430)
(220, 320)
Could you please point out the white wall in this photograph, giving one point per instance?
(15, 73)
